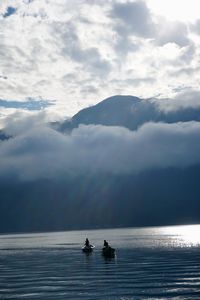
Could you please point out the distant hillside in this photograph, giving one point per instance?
(153, 198)
(130, 112)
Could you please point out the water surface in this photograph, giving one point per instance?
(151, 263)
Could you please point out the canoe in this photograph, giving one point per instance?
(88, 249)
(108, 252)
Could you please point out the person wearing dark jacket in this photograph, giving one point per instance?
(87, 243)
(105, 244)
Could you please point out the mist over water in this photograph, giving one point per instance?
(151, 263)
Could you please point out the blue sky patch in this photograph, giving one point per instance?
(10, 11)
(29, 104)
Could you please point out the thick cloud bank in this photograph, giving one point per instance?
(42, 153)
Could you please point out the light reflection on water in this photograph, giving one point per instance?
(186, 236)
(150, 237)
(151, 263)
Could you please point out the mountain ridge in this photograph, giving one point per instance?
(130, 112)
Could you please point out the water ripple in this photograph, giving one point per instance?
(59, 270)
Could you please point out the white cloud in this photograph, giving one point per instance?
(44, 153)
(172, 32)
(133, 18)
(186, 10)
(183, 100)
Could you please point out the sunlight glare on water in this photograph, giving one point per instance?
(187, 236)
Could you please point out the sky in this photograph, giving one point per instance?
(77, 53)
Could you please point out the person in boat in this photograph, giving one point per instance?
(87, 243)
(107, 250)
(105, 244)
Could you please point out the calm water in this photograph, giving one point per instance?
(151, 263)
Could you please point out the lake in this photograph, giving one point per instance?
(150, 263)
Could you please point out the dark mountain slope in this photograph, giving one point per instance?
(130, 112)
(162, 197)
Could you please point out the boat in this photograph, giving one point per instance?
(88, 249)
(108, 252)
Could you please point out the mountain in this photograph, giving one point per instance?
(82, 191)
(163, 197)
(130, 112)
